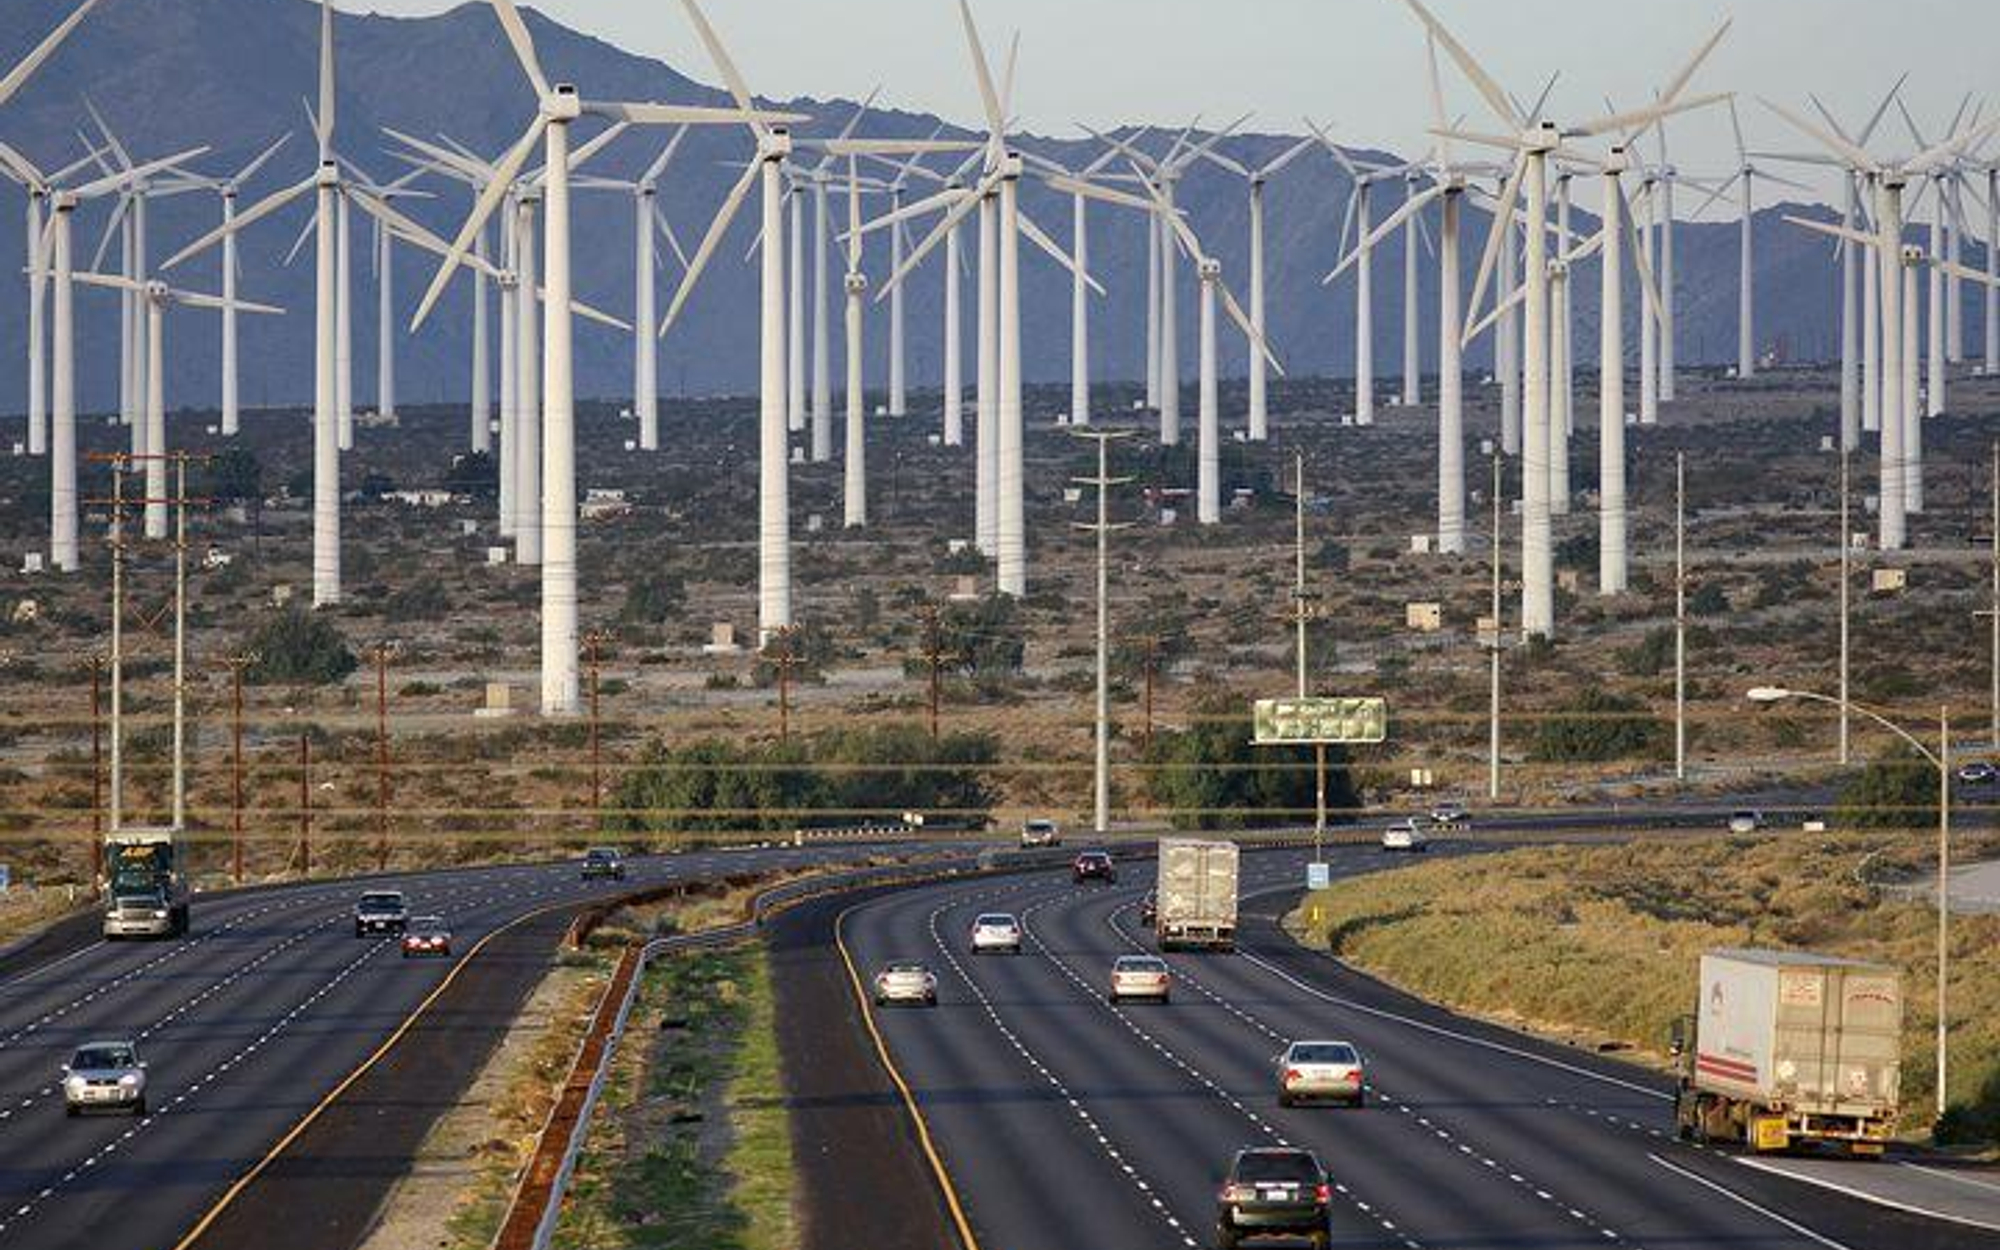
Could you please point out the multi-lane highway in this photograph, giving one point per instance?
(1066, 1120)
(247, 1026)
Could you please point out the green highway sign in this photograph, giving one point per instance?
(1331, 722)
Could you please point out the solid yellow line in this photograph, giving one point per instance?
(938, 1169)
(244, 1181)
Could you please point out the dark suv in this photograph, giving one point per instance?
(603, 861)
(381, 911)
(1274, 1191)
(1093, 866)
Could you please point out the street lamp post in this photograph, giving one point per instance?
(1941, 758)
(1101, 773)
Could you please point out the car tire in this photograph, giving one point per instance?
(1322, 1239)
(930, 1000)
(1286, 1100)
(1226, 1238)
(71, 1110)
(139, 1108)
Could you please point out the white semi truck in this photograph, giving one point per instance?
(148, 894)
(1786, 1047)
(1197, 895)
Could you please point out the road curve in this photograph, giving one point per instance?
(247, 1025)
(1065, 1120)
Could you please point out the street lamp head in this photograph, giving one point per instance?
(1769, 694)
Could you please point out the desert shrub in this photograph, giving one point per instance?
(1212, 776)
(1598, 726)
(1898, 790)
(298, 647)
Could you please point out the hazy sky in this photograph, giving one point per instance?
(1358, 63)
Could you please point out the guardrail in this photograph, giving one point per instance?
(531, 1218)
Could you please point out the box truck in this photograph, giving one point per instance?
(148, 894)
(1197, 895)
(1786, 1047)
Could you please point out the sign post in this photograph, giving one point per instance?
(1320, 723)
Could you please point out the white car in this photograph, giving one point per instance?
(1141, 976)
(996, 931)
(1405, 835)
(1319, 1070)
(905, 981)
(1746, 820)
(107, 1075)
(1041, 832)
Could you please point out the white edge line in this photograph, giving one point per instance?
(39, 969)
(1864, 1196)
(1944, 1175)
(1740, 1200)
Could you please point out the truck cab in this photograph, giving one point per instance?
(147, 894)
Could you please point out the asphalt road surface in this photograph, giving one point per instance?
(1067, 1121)
(246, 1025)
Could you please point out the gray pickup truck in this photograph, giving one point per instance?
(381, 911)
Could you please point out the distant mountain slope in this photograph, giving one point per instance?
(233, 73)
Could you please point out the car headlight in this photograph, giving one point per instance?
(130, 1080)
(73, 1082)
(159, 915)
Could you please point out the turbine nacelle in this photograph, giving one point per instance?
(1541, 138)
(1913, 256)
(857, 283)
(1009, 168)
(1210, 269)
(562, 104)
(328, 174)
(775, 144)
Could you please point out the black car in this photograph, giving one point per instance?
(603, 861)
(1149, 909)
(1093, 866)
(1274, 1191)
(381, 911)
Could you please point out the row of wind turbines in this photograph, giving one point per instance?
(1525, 268)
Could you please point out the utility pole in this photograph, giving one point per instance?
(1846, 591)
(785, 662)
(236, 664)
(1993, 613)
(1101, 773)
(1680, 616)
(118, 470)
(936, 658)
(1302, 611)
(1495, 642)
(593, 642)
(380, 653)
(96, 856)
(180, 641)
(1151, 643)
(305, 803)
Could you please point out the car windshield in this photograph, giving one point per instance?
(381, 902)
(1041, 826)
(141, 900)
(1324, 1052)
(996, 920)
(99, 1057)
(1284, 1166)
(907, 969)
(1141, 963)
(428, 924)
(602, 853)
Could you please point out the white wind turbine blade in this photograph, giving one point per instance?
(249, 171)
(1910, 124)
(1642, 118)
(112, 281)
(1007, 74)
(853, 217)
(1333, 149)
(646, 114)
(111, 225)
(1586, 249)
(710, 241)
(666, 156)
(738, 88)
(248, 217)
(20, 168)
(71, 170)
(1231, 164)
(1647, 285)
(1110, 154)
(1736, 127)
(581, 154)
(524, 47)
(1721, 189)
(1093, 191)
(1287, 157)
(673, 240)
(1503, 220)
(195, 299)
(1793, 183)
(1415, 204)
(110, 136)
(462, 166)
(1500, 309)
(299, 243)
(916, 208)
(42, 52)
(1495, 98)
(1855, 157)
(323, 119)
(1835, 231)
(1960, 271)
(489, 199)
(1195, 153)
(588, 313)
(989, 98)
(414, 233)
(952, 216)
(1951, 149)
(1678, 83)
(1236, 314)
(1882, 109)
(1438, 118)
(1039, 237)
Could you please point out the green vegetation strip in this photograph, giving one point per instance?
(1600, 943)
(690, 1147)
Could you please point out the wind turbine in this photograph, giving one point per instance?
(52, 255)
(819, 179)
(774, 145)
(227, 189)
(1260, 420)
(558, 106)
(1360, 221)
(40, 187)
(157, 297)
(1900, 461)
(1079, 303)
(1744, 182)
(1534, 141)
(1944, 288)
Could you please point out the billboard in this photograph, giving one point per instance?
(1308, 722)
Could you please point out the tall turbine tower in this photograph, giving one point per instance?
(1257, 178)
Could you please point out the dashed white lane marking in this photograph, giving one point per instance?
(1417, 1116)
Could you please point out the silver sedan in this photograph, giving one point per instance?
(1309, 1071)
(106, 1076)
(905, 982)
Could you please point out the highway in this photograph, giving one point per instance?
(247, 1026)
(1065, 1121)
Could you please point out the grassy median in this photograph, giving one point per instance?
(691, 1148)
(1599, 944)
